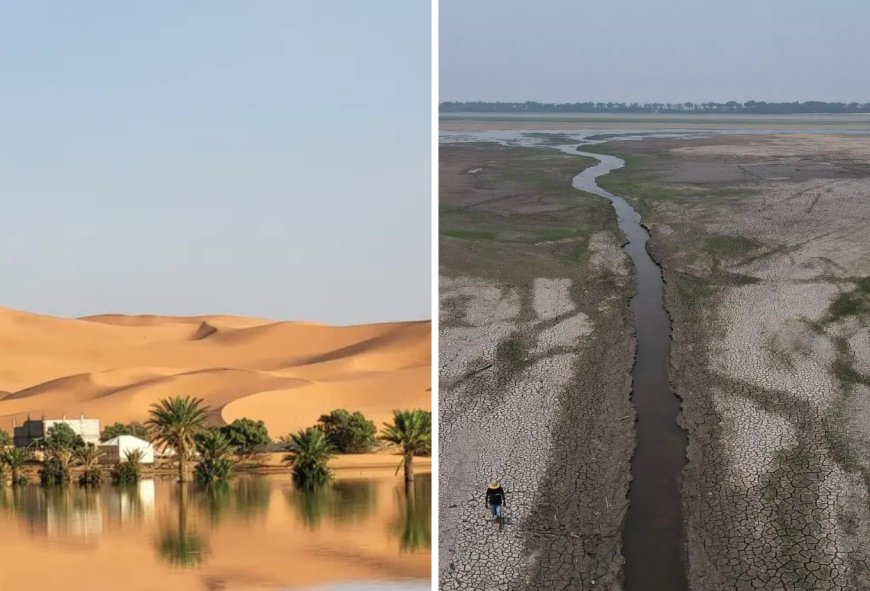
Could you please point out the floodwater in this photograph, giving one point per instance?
(653, 538)
(255, 533)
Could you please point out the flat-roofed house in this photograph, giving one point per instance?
(35, 430)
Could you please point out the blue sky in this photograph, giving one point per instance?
(664, 51)
(263, 158)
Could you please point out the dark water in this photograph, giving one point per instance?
(653, 539)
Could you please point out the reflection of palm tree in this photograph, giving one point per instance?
(252, 495)
(27, 502)
(130, 502)
(352, 499)
(181, 547)
(85, 502)
(311, 504)
(247, 497)
(413, 525)
(341, 502)
(216, 498)
(58, 502)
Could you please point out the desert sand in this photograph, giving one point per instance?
(114, 367)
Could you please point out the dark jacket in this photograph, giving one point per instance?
(495, 496)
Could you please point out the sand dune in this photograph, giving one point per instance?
(113, 367)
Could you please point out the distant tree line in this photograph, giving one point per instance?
(749, 107)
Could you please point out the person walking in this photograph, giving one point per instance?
(495, 499)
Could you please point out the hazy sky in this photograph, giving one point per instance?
(665, 51)
(265, 158)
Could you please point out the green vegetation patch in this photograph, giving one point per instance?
(511, 355)
(742, 279)
(730, 246)
(469, 234)
(855, 302)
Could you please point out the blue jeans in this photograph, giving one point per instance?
(496, 510)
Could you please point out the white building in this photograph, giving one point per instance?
(115, 449)
(36, 430)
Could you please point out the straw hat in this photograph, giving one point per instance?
(494, 484)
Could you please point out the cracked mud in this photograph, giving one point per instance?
(765, 244)
(536, 346)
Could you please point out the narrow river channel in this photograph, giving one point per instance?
(653, 541)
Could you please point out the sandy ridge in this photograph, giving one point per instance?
(115, 366)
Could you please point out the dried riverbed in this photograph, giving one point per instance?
(537, 344)
(765, 243)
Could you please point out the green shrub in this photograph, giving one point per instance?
(126, 473)
(53, 473)
(247, 436)
(91, 477)
(348, 433)
(213, 471)
(62, 436)
(5, 438)
(130, 470)
(89, 458)
(136, 429)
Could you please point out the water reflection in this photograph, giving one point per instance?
(55, 512)
(179, 545)
(247, 497)
(131, 503)
(76, 512)
(250, 525)
(413, 526)
(339, 502)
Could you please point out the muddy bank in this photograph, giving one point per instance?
(537, 343)
(765, 246)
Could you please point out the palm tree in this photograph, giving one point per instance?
(309, 453)
(174, 423)
(62, 455)
(56, 468)
(15, 458)
(215, 451)
(128, 471)
(89, 458)
(134, 456)
(412, 430)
